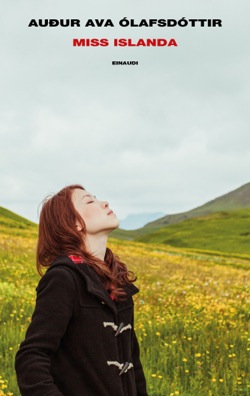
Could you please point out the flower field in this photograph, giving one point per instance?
(192, 316)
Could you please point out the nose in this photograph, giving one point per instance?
(105, 204)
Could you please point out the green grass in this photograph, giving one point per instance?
(11, 218)
(192, 314)
(13, 224)
(224, 232)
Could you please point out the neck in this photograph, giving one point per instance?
(97, 244)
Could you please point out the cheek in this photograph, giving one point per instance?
(89, 213)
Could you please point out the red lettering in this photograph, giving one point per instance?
(172, 42)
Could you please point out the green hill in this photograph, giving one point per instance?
(13, 224)
(225, 231)
(236, 199)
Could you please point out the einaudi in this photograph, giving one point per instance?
(125, 63)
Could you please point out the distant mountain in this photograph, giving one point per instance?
(236, 199)
(134, 221)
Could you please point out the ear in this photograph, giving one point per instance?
(78, 226)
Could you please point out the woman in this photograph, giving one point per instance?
(81, 340)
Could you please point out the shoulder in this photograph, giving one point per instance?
(57, 277)
(56, 292)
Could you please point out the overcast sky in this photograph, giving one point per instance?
(167, 135)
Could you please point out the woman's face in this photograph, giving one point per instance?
(96, 214)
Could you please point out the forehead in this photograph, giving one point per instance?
(78, 194)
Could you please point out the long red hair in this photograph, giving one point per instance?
(59, 236)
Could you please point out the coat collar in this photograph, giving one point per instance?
(92, 281)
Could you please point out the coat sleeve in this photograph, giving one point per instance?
(139, 374)
(53, 311)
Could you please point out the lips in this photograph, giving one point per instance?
(110, 212)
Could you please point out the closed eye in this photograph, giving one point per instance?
(90, 202)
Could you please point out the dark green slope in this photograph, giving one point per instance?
(12, 223)
(227, 231)
(236, 199)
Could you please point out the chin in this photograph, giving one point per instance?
(115, 225)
